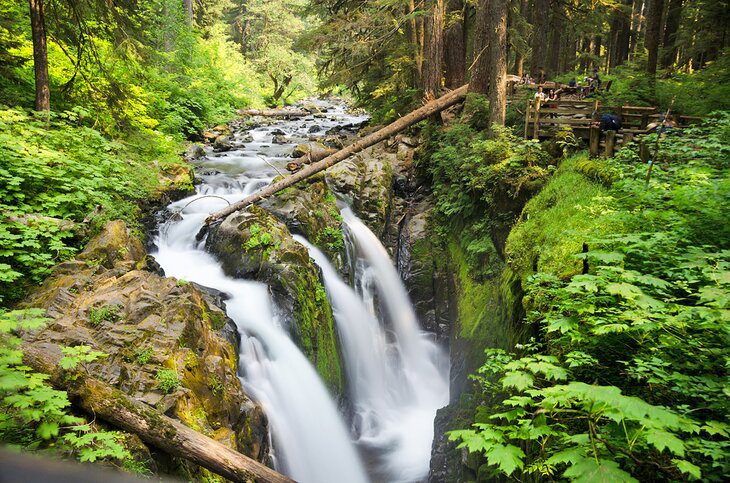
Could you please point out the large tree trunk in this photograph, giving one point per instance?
(479, 80)
(556, 32)
(674, 17)
(404, 122)
(167, 434)
(653, 28)
(40, 56)
(455, 45)
(624, 35)
(415, 41)
(519, 55)
(637, 21)
(188, 5)
(597, 41)
(434, 50)
(539, 36)
(498, 10)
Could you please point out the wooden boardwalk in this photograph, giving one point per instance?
(544, 119)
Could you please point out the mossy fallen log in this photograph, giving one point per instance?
(395, 127)
(163, 432)
(273, 112)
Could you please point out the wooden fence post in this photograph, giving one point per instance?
(644, 153)
(536, 126)
(528, 113)
(594, 140)
(610, 143)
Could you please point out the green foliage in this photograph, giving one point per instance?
(332, 238)
(143, 355)
(167, 380)
(629, 380)
(473, 176)
(261, 240)
(35, 416)
(108, 313)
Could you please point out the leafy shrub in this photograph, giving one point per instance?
(35, 416)
(629, 378)
(167, 380)
(108, 313)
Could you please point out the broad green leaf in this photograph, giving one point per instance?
(519, 380)
(688, 468)
(507, 457)
(664, 440)
(588, 470)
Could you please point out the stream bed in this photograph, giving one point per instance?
(396, 375)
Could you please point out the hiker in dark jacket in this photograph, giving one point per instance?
(610, 122)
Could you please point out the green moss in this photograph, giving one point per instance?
(555, 223)
(217, 320)
(143, 355)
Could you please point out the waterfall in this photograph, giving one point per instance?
(311, 440)
(397, 376)
(398, 379)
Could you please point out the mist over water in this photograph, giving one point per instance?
(397, 376)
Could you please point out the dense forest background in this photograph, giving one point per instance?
(624, 283)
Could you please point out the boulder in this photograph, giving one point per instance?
(162, 338)
(254, 244)
(314, 129)
(194, 152)
(279, 139)
(310, 209)
(222, 143)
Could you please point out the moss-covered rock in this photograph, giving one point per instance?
(159, 335)
(310, 209)
(254, 244)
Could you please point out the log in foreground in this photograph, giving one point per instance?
(395, 127)
(163, 432)
(273, 112)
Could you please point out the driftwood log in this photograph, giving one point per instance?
(395, 127)
(165, 433)
(273, 112)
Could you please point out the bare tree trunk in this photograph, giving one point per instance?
(163, 432)
(519, 55)
(539, 36)
(40, 56)
(395, 127)
(653, 28)
(498, 11)
(556, 32)
(188, 5)
(674, 17)
(414, 36)
(479, 80)
(455, 45)
(434, 50)
(596, 50)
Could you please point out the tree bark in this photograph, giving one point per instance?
(674, 17)
(653, 28)
(498, 10)
(188, 5)
(404, 122)
(40, 56)
(434, 50)
(479, 80)
(415, 40)
(556, 32)
(539, 36)
(163, 432)
(455, 45)
(519, 55)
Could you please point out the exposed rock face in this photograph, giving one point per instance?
(222, 143)
(310, 209)
(255, 245)
(424, 265)
(366, 180)
(162, 338)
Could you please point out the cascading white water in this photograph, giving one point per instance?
(396, 374)
(397, 382)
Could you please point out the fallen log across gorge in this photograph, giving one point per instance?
(169, 435)
(424, 112)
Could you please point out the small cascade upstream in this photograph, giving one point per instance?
(397, 376)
